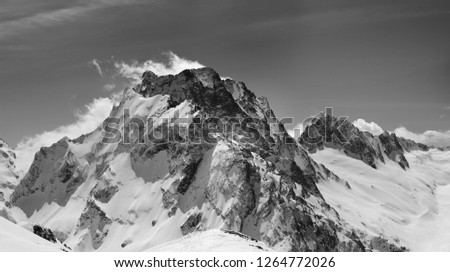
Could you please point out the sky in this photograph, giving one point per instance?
(380, 61)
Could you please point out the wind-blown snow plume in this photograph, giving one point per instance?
(86, 121)
(174, 65)
(371, 127)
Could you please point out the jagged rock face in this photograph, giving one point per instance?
(8, 178)
(139, 192)
(8, 173)
(54, 176)
(393, 149)
(47, 234)
(410, 145)
(92, 226)
(328, 131)
(202, 86)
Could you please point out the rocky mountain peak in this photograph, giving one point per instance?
(202, 86)
(266, 189)
(327, 131)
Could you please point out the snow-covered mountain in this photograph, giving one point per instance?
(218, 158)
(8, 177)
(394, 188)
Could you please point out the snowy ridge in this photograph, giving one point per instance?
(134, 196)
(326, 131)
(179, 189)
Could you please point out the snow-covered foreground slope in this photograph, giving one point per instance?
(14, 238)
(411, 206)
(212, 241)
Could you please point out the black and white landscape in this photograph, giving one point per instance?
(175, 155)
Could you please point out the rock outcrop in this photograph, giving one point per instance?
(8, 178)
(328, 131)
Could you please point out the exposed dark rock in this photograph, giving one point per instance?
(328, 131)
(45, 233)
(191, 223)
(95, 220)
(189, 172)
(393, 149)
(383, 245)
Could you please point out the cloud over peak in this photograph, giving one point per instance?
(371, 127)
(174, 65)
(86, 120)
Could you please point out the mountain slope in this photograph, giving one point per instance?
(411, 206)
(136, 193)
(212, 241)
(199, 153)
(8, 178)
(14, 238)
(408, 204)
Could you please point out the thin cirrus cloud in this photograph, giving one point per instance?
(46, 18)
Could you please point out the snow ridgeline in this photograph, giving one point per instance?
(148, 196)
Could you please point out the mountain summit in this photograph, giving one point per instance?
(193, 152)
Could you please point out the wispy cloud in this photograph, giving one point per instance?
(175, 64)
(429, 137)
(109, 87)
(86, 121)
(96, 64)
(49, 18)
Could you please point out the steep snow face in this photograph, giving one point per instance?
(411, 207)
(136, 194)
(8, 177)
(14, 238)
(213, 241)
